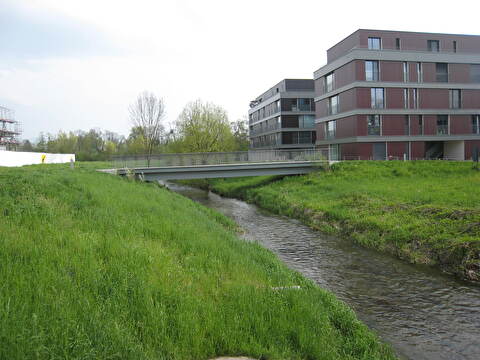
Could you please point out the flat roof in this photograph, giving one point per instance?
(401, 31)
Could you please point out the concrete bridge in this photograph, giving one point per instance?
(218, 165)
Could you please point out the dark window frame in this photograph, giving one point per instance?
(441, 76)
(329, 86)
(375, 70)
(475, 73)
(455, 98)
(377, 98)
(431, 47)
(331, 129)
(476, 124)
(372, 40)
(332, 110)
(374, 125)
(443, 125)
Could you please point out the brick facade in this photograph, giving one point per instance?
(429, 96)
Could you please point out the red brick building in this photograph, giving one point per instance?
(391, 94)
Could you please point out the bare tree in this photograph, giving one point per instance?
(146, 115)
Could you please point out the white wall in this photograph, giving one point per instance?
(454, 150)
(16, 158)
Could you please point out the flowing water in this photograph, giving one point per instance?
(421, 312)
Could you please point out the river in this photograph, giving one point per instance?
(421, 312)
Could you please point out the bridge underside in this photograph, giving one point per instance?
(220, 171)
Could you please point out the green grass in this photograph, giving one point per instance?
(94, 266)
(424, 211)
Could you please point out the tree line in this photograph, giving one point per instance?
(201, 127)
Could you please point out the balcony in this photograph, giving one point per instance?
(423, 49)
(442, 129)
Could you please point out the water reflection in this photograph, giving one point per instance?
(424, 314)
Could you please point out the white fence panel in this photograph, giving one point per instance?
(16, 158)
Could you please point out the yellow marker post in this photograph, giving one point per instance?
(43, 158)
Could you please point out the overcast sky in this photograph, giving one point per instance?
(78, 64)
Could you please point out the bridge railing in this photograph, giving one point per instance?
(218, 158)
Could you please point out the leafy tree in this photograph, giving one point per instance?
(240, 134)
(204, 127)
(87, 146)
(41, 145)
(27, 146)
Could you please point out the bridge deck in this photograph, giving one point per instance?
(219, 170)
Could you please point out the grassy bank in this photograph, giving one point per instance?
(94, 267)
(425, 212)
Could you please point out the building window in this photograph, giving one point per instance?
(289, 104)
(371, 70)
(415, 98)
(333, 105)
(407, 125)
(455, 99)
(420, 125)
(374, 124)
(329, 82)
(290, 137)
(419, 72)
(397, 43)
(442, 72)
(334, 152)
(377, 98)
(475, 124)
(406, 99)
(454, 46)
(306, 121)
(304, 137)
(405, 71)
(305, 104)
(331, 129)
(374, 43)
(442, 124)
(475, 73)
(290, 121)
(433, 45)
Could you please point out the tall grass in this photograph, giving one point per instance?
(423, 211)
(97, 267)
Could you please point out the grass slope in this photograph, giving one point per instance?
(424, 211)
(96, 267)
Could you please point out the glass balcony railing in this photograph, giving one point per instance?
(416, 49)
(265, 129)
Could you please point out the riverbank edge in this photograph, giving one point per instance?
(81, 195)
(446, 261)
